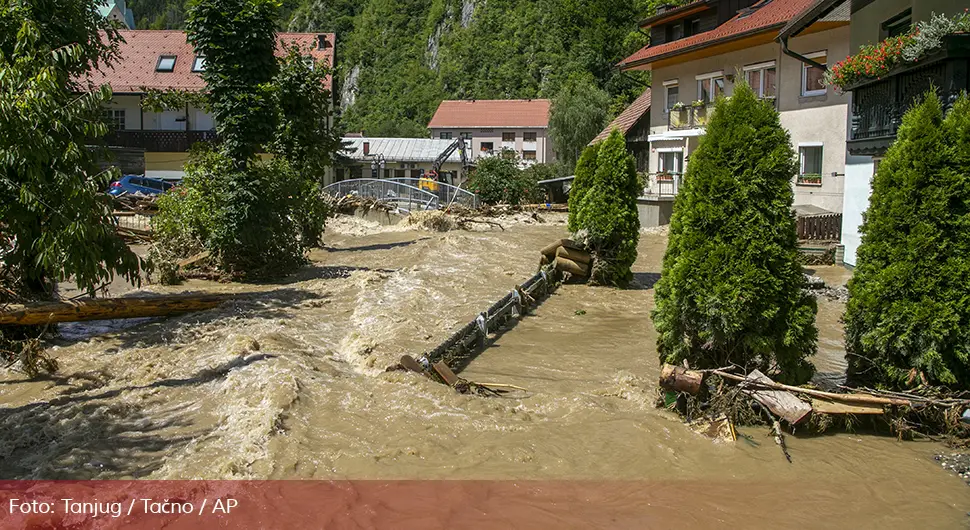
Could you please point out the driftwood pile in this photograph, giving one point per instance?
(728, 398)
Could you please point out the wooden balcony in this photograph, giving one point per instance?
(158, 141)
(878, 105)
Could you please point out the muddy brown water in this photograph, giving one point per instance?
(289, 382)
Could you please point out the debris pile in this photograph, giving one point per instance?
(819, 288)
(715, 401)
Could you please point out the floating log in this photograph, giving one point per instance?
(780, 402)
(858, 399)
(108, 308)
(570, 266)
(678, 379)
(579, 256)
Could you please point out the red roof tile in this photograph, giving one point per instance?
(628, 118)
(491, 113)
(769, 15)
(140, 52)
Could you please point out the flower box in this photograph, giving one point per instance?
(809, 180)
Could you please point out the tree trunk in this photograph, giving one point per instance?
(677, 379)
(108, 308)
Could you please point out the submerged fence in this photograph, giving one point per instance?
(466, 343)
(407, 194)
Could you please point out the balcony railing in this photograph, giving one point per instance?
(689, 117)
(878, 105)
(159, 141)
(665, 183)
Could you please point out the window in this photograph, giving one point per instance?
(762, 78)
(529, 137)
(528, 155)
(465, 135)
(487, 147)
(675, 32)
(166, 63)
(198, 65)
(672, 91)
(710, 86)
(115, 119)
(692, 27)
(810, 160)
(445, 136)
(508, 137)
(812, 83)
(898, 25)
(669, 162)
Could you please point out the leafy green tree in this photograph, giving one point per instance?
(51, 203)
(609, 220)
(731, 290)
(498, 179)
(578, 114)
(305, 137)
(585, 170)
(908, 315)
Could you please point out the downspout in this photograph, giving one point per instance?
(784, 49)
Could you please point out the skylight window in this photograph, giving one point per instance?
(198, 65)
(166, 63)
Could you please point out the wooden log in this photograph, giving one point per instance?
(867, 399)
(201, 256)
(780, 402)
(551, 249)
(108, 308)
(678, 379)
(579, 256)
(570, 266)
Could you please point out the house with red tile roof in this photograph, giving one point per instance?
(700, 50)
(634, 123)
(164, 60)
(491, 126)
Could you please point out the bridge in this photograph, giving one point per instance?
(406, 194)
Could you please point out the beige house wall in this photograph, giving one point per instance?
(542, 146)
(867, 22)
(136, 119)
(810, 120)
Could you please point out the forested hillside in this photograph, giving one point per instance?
(397, 59)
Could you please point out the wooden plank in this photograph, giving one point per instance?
(408, 362)
(108, 308)
(781, 403)
(824, 406)
(450, 378)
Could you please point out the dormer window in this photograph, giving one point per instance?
(322, 42)
(166, 63)
(198, 65)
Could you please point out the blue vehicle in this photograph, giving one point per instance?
(135, 184)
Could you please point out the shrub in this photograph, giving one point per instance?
(609, 219)
(731, 289)
(585, 169)
(909, 306)
(498, 179)
(534, 192)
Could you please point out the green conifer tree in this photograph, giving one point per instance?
(585, 169)
(609, 219)
(731, 290)
(908, 314)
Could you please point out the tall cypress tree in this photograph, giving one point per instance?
(731, 290)
(585, 170)
(609, 221)
(909, 307)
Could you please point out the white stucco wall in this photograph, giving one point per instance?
(542, 146)
(858, 179)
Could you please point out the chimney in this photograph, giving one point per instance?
(366, 148)
(322, 42)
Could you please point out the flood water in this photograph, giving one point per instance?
(289, 383)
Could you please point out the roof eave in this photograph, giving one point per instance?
(700, 46)
(808, 17)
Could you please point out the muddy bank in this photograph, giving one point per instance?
(289, 383)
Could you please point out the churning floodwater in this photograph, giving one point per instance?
(289, 382)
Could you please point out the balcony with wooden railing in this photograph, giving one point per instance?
(158, 141)
(878, 105)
